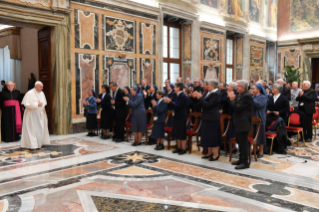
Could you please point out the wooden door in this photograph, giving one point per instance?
(315, 71)
(45, 70)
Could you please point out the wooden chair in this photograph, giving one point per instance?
(194, 129)
(223, 118)
(291, 109)
(251, 140)
(150, 125)
(168, 130)
(271, 136)
(294, 119)
(315, 122)
(128, 125)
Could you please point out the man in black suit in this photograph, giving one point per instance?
(119, 105)
(188, 82)
(285, 91)
(242, 106)
(278, 105)
(145, 86)
(307, 99)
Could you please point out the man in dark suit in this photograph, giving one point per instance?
(119, 105)
(307, 99)
(285, 91)
(188, 82)
(278, 105)
(242, 106)
(145, 86)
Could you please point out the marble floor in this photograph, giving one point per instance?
(79, 173)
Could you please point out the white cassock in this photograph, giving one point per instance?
(35, 131)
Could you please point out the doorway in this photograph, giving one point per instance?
(315, 71)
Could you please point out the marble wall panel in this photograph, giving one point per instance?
(256, 56)
(239, 51)
(119, 70)
(87, 77)
(86, 30)
(187, 70)
(118, 34)
(147, 39)
(255, 10)
(148, 67)
(272, 13)
(279, 65)
(211, 49)
(187, 47)
(292, 58)
(239, 74)
(256, 74)
(210, 72)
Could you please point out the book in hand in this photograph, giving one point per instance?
(272, 112)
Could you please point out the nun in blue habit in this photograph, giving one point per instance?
(90, 112)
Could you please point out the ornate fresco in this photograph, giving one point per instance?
(209, 3)
(235, 7)
(211, 72)
(304, 15)
(87, 77)
(272, 13)
(292, 58)
(254, 10)
(86, 30)
(239, 52)
(147, 39)
(119, 34)
(211, 49)
(256, 56)
(239, 74)
(187, 48)
(148, 67)
(256, 74)
(120, 70)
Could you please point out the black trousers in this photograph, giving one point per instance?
(242, 141)
(119, 127)
(307, 130)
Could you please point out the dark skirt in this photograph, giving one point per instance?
(106, 120)
(179, 129)
(91, 122)
(158, 130)
(210, 133)
(261, 139)
(231, 131)
(139, 123)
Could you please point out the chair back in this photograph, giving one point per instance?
(168, 115)
(224, 128)
(294, 119)
(315, 116)
(150, 111)
(291, 109)
(251, 133)
(196, 116)
(128, 115)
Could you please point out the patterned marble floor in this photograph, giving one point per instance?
(79, 173)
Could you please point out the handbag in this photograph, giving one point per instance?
(86, 113)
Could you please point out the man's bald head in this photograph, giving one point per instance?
(10, 85)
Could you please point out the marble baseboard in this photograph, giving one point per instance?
(79, 127)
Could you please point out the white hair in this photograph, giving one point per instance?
(233, 85)
(38, 83)
(307, 82)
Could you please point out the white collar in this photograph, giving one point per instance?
(276, 97)
(159, 101)
(179, 93)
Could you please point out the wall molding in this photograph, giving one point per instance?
(212, 28)
(236, 28)
(179, 12)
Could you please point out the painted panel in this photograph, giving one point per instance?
(187, 70)
(235, 7)
(256, 56)
(119, 34)
(239, 52)
(87, 77)
(256, 74)
(211, 72)
(304, 15)
(187, 49)
(86, 30)
(148, 67)
(209, 3)
(272, 13)
(147, 39)
(119, 70)
(254, 10)
(239, 74)
(292, 58)
(279, 65)
(211, 49)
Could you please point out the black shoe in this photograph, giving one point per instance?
(207, 156)
(159, 147)
(242, 166)
(139, 143)
(135, 143)
(234, 151)
(308, 140)
(118, 140)
(235, 163)
(89, 134)
(182, 152)
(106, 137)
(213, 159)
(176, 151)
(260, 156)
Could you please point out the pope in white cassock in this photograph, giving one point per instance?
(35, 131)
